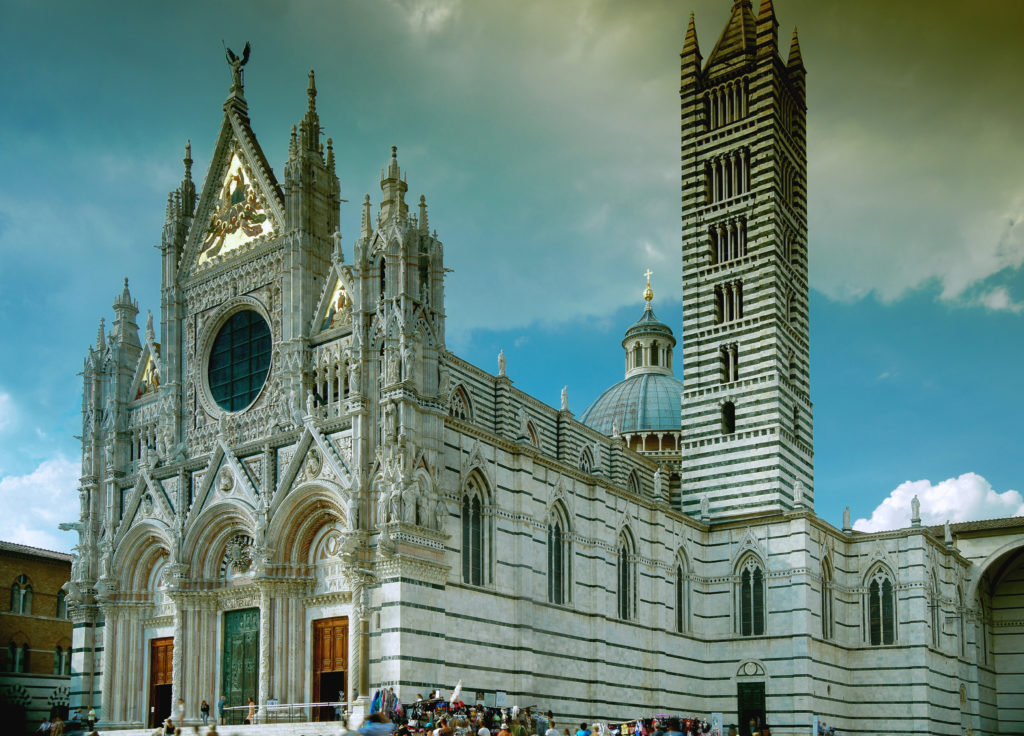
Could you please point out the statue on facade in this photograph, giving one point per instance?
(440, 512)
(659, 484)
(237, 64)
(395, 503)
(501, 363)
(352, 504)
(705, 507)
(798, 493)
(915, 511)
(846, 519)
(409, 504)
(565, 398)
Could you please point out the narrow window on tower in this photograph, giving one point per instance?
(713, 245)
(383, 275)
(728, 418)
(796, 422)
(719, 305)
(654, 353)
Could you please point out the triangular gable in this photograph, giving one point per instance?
(147, 373)
(335, 306)
(241, 204)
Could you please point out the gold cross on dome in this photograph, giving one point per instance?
(648, 273)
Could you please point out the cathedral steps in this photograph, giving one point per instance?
(307, 728)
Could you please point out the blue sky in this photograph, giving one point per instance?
(545, 138)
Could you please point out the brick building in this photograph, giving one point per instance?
(35, 634)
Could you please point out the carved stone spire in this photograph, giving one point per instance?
(365, 225)
(101, 337)
(310, 125)
(188, 187)
(423, 215)
(393, 188)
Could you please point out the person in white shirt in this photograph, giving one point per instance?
(552, 731)
(484, 731)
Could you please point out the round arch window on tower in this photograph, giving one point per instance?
(239, 360)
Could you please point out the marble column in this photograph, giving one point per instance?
(177, 689)
(264, 676)
(110, 625)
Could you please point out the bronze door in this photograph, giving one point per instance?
(241, 660)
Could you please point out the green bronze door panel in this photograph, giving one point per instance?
(241, 659)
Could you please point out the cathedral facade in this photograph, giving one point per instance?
(298, 493)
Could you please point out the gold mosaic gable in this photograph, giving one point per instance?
(240, 215)
(338, 311)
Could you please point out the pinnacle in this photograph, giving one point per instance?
(690, 42)
(795, 58)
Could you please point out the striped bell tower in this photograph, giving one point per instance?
(746, 415)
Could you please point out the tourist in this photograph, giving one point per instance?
(583, 730)
(250, 717)
(483, 730)
(181, 712)
(377, 724)
(57, 729)
(221, 705)
(168, 727)
(44, 727)
(90, 722)
(552, 731)
(204, 711)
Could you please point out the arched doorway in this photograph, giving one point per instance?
(998, 635)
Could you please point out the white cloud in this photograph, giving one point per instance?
(967, 498)
(998, 299)
(35, 503)
(428, 16)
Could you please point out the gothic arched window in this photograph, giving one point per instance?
(458, 404)
(383, 275)
(474, 536)
(936, 613)
(826, 599)
(682, 596)
(586, 460)
(881, 609)
(559, 557)
(21, 596)
(633, 483)
(626, 578)
(751, 598)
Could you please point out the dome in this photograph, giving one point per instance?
(648, 323)
(648, 401)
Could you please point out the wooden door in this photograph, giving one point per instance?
(160, 656)
(330, 656)
(241, 659)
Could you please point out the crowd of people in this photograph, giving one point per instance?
(435, 716)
